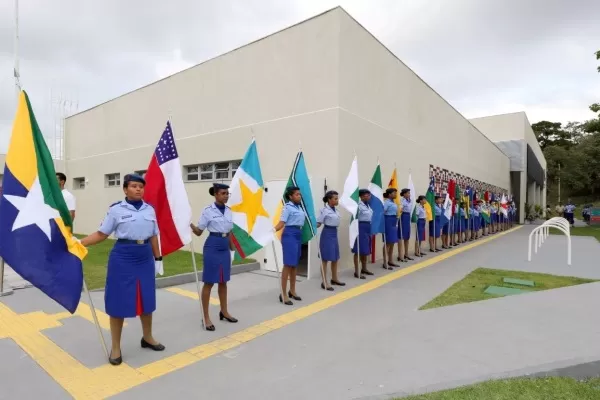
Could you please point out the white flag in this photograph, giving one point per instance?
(413, 194)
(350, 199)
(448, 207)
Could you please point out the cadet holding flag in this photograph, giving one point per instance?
(390, 211)
(362, 245)
(404, 225)
(329, 247)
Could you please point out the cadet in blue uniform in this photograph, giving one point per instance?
(494, 217)
(130, 279)
(362, 246)
(404, 225)
(218, 221)
(476, 220)
(390, 214)
(434, 225)
(463, 221)
(329, 247)
(421, 215)
(291, 221)
(569, 212)
(457, 229)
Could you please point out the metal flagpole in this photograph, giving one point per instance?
(3, 292)
(197, 283)
(93, 309)
(278, 270)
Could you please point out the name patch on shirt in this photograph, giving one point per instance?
(126, 216)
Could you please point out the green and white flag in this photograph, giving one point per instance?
(252, 228)
(350, 199)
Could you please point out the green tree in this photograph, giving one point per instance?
(551, 133)
(593, 126)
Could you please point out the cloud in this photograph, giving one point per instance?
(483, 57)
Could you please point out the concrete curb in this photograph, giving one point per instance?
(189, 277)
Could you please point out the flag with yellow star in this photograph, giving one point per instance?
(252, 229)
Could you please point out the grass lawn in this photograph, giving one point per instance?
(472, 286)
(554, 388)
(94, 265)
(593, 230)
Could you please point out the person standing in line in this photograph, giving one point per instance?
(483, 210)
(291, 221)
(68, 196)
(362, 245)
(329, 247)
(421, 215)
(390, 214)
(217, 219)
(404, 225)
(493, 217)
(457, 229)
(476, 221)
(464, 221)
(130, 280)
(434, 226)
(570, 212)
(560, 210)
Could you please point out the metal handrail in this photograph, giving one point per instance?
(541, 233)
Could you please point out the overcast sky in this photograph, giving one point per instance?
(484, 56)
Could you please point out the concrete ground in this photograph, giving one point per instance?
(367, 340)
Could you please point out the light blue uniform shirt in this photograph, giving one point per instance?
(390, 208)
(128, 223)
(569, 208)
(405, 205)
(292, 215)
(493, 210)
(365, 213)
(329, 216)
(438, 210)
(476, 212)
(421, 212)
(213, 220)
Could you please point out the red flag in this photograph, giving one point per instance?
(165, 191)
(486, 196)
(452, 192)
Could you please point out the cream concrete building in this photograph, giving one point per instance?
(325, 84)
(513, 134)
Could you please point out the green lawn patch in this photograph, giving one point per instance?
(472, 287)
(555, 388)
(94, 265)
(593, 230)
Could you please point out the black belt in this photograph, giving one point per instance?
(364, 222)
(127, 241)
(219, 234)
(293, 226)
(329, 227)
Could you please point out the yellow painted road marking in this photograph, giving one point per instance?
(192, 295)
(99, 383)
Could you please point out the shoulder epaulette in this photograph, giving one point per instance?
(115, 203)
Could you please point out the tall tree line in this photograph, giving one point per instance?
(575, 147)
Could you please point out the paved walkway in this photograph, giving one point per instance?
(362, 342)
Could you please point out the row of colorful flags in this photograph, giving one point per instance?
(33, 213)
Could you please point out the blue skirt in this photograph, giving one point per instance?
(130, 281)
(391, 229)
(445, 228)
(404, 226)
(217, 260)
(291, 243)
(328, 244)
(437, 227)
(421, 229)
(364, 239)
(457, 224)
(464, 224)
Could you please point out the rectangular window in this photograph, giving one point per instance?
(78, 183)
(221, 171)
(141, 172)
(112, 180)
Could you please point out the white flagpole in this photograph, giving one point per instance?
(93, 309)
(193, 253)
(2, 291)
(278, 270)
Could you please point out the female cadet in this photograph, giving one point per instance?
(445, 229)
(291, 221)
(390, 214)
(493, 217)
(463, 221)
(421, 200)
(362, 246)
(404, 225)
(435, 228)
(130, 279)
(329, 246)
(218, 221)
(457, 229)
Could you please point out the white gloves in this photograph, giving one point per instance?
(158, 268)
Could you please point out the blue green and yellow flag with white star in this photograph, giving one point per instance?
(252, 228)
(35, 224)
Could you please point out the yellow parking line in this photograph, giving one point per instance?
(190, 294)
(99, 383)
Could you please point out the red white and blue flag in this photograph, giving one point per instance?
(165, 191)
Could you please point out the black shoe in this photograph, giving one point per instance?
(408, 258)
(223, 317)
(386, 267)
(298, 298)
(337, 283)
(155, 347)
(287, 303)
(328, 288)
(115, 361)
(210, 328)
(366, 272)
(361, 276)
